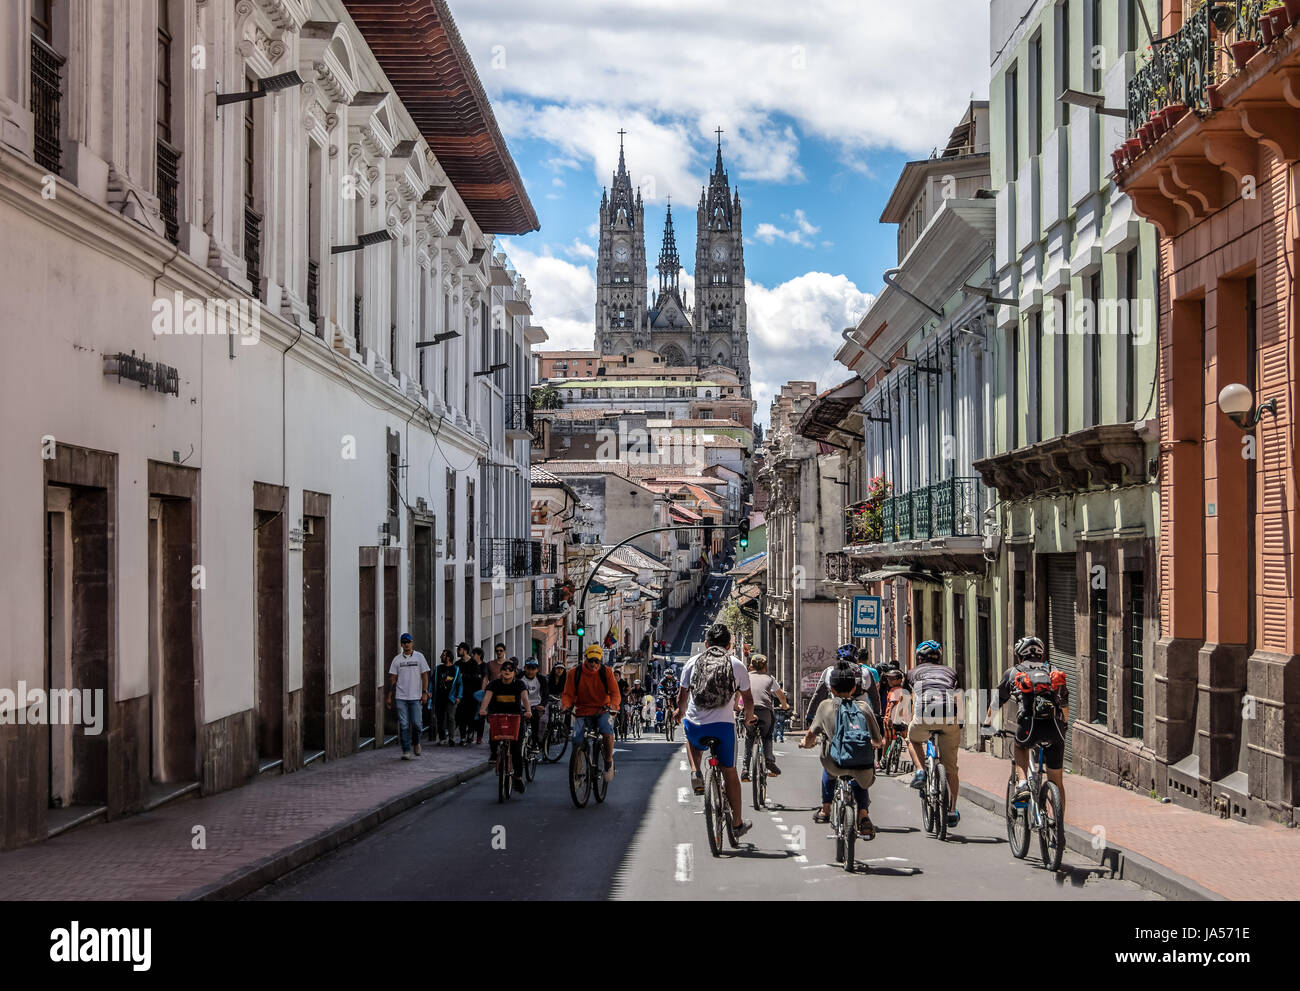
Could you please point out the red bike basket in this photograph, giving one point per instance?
(503, 727)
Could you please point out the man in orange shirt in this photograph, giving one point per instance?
(591, 692)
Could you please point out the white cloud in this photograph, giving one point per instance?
(557, 181)
(801, 232)
(563, 295)
(580, 249)
(861, 76)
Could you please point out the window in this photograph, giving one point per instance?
(451, 514)
(1013, 389)
(1036, 433)
(1036, 83)
(1063, 57)
(1013, 120)
(1130, 347)
(1064, 374)
(1094, 343)
(47, 88)
(1136, 654)
(1018, 604)
(252, 219)
(1131, 24)
(1096, 58)
(164, 72)
(167, 169)
(1100, 658)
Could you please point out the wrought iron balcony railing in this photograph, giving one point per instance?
(549, 601)
(519, 413)
(542, 556)
(951, 508)
(839, 568)
(253, 248)
(516, 557)
(168, 171)
(313, 290)
(356, 319)
(1182, 69)
(47, 93)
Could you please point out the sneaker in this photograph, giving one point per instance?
(954, 817)
(519, 785)
(866, 828)
(609, 774)
(742, 829)
(697, 783)
(417, 750)
(918, 779)
(773, 771)
(406, 755)
(744, 775)
(1021, 798)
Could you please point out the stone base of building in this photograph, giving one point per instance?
(292, 759)
(24, 772)
(1115, 760)
(229, 752)
(342, 729)
(129, 762)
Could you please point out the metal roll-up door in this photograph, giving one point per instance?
(1062, 590)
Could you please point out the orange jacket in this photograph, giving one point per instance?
(594, 691)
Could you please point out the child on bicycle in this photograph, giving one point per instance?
(898, 705)
(843, 684)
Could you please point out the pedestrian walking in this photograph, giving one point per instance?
(482, 682)
(447, 691)
(471, 681)
(408, 686)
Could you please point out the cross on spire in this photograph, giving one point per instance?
(621, 166)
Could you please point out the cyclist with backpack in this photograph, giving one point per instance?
(592, 693)
(847, 653)
(936, 706)
(1042, 713)
(850, 737)
(709, 683)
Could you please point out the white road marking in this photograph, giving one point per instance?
(777, 819)
(813, 867)
(801, 859)
(684, 796)
(685, 862)
(683, 766)
(881, 860)
(784, 829)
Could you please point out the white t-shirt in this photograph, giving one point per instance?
(408, 671)
(534, 686)
(725, 714)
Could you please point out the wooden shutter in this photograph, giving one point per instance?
(1062, 589)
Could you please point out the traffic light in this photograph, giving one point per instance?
(744, 534)
(582, 624)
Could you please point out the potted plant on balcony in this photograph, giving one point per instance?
(1292, 8)
(866, 521)
(1243, 50)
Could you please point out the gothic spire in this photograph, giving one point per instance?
(669, 262)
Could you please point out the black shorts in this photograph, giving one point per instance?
(1048, 732)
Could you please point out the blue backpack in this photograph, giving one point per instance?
(851, 745)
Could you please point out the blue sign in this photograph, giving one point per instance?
(866, 616)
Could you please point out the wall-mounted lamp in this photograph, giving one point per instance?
(271, 84)
(495, 368)
(446, 335)
(370, 237)
(1093, 101)
(1239, 406)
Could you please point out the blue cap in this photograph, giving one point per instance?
(406, 638)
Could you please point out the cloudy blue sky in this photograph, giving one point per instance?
(821, 102)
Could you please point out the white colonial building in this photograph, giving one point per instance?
(265, 407)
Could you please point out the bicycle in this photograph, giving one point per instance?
(587, 765)
(757, 766)
(717, 806)
(844, 819)
(934, 796)
(559, 726)
(504, 730)
(620, 724)
(893, 755)
(670, 724)
(1041, 812)
(531, 752)
(634, 722)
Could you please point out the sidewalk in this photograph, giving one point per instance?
(1170, 849)
(254, 833)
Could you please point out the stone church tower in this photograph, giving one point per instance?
(713, 332)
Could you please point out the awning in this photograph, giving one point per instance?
(885, 574)
(827, 412)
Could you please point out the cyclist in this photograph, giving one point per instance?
(592, 693)
(709, 683)
(843, 685)
(537, 696)
(936, 705)
(507, 695)
(669, 688)
(898, 705)
(870, 671)
(767, 693)
(847, 653)
(1042, 713)
(555, 681)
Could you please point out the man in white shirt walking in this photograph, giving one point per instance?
(408, 680)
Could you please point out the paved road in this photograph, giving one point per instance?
(647, 841)
(692, 630)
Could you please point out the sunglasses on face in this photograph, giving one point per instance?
(507, 667)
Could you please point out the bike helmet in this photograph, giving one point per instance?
(1029, 649)
(929, 651)
(847, 652)
(843, 678)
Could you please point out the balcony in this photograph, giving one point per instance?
(839, 568)
(253, 248)
(519, 418)
(515, 557)
(313, 291)
(47, 93)
(951, 508)
(549, 601)
(168, 182)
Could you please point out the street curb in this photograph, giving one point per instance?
(1120, 862)
(245, 880)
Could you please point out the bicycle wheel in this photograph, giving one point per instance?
(598, 783)
(713, 811)
(579, 780)
(838, 820)
(850, 834)
(504, 780)
(757, 770)
(891, 759)
(531, 755)
(1017, 823)
(670, 726)
(1051, 830)
(927, 804)
(941, 802)
(556, 742)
